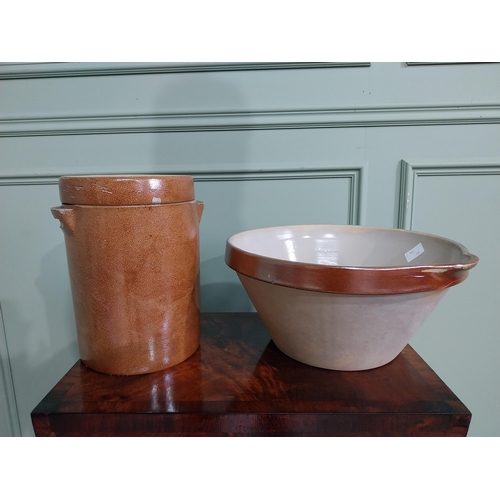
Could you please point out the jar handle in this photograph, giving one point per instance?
(66, 215)
(200, 206)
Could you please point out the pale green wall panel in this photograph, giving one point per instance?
(34, 293)
(381, 84)
(207, 151)
(265, 147)
(461, 339)
(386, 147)
(251, 201)
(9, 416)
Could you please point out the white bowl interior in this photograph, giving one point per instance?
(349, 246)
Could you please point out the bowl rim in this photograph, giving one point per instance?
(356, 280)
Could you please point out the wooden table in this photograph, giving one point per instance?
(239, 384)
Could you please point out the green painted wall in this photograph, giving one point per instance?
(384, 144)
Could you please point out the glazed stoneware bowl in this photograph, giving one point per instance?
(345, 297)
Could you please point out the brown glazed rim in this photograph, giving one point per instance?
(125, 189)
(351, 280)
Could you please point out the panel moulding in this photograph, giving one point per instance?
(348, 117)
(445, 63)
(357, 190)
(410, 172)
(75, 69)
(7, 388)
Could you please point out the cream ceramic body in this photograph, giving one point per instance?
(339, 331)
(345, 297)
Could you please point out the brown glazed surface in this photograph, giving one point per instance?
(134, 273)
(347, 279)
(125, 189)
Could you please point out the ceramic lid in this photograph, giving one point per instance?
(126, 189)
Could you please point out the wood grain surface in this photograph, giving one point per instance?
(239, 384)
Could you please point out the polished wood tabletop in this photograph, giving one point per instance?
(238, 383)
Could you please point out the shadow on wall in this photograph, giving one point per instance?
(37, 376)
(54, 287)
(60, 341)
(208, 153)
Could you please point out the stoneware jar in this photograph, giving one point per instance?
(132, 246)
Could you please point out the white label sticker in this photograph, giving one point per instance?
(414, 252)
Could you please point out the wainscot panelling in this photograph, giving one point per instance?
(34, 293)
(389, 93)
(56, 70)
(442, 63)
(387, 116)
(384, 147)
(461, 338)
(242, 151)
(267, 144)
(9, 415)
(259, 199)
